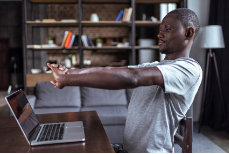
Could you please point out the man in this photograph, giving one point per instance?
(164, 91)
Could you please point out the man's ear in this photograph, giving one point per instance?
(190, 32)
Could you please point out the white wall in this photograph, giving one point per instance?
(201, 8)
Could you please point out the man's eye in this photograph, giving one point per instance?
(168, 29)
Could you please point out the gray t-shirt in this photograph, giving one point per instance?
(154, 113)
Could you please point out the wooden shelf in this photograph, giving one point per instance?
(119, 48)
(54, 48)
(147, 23)
(105, 1)
(157, 1)
(119, 23)
(83, 1)
(96, 48)
(150, 47)
(54, 1)
(113, 64)
(107, 48)
(91, 24)
(52, 24)
(104, 23)
(32, 79)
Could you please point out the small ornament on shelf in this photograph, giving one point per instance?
(99, 43)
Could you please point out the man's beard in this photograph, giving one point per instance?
(164, 51)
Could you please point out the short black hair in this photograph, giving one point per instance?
(187, 16)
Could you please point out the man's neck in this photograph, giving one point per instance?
(183, 53)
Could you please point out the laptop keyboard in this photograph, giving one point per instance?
(51, 132)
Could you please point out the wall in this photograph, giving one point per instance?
(201, 8)
(11, 28)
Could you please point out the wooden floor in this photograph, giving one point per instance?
(220, 138)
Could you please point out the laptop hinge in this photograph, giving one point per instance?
(33, 134)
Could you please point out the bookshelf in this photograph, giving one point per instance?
(30, 79)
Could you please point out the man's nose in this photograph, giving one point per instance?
(160, 35)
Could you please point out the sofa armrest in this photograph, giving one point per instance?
(32, 100)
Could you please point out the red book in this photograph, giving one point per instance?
(68, 40)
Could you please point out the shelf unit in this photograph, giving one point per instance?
(80, 24)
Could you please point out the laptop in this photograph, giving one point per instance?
(40, 134)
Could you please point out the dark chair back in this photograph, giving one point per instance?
(185, 141)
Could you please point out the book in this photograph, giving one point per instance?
(72, 40)
(66, 45)
(129, 14)
(124, 15)
(84, 40)
(119, 15)
(64, 39)
(91, 43)
(69, 43)
(127, 10)
(88, 43)
(76, 41)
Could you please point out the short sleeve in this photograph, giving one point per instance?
(180, 76)
(144, 65)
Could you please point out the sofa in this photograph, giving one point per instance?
(111, 105)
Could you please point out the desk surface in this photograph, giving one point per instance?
(12, 139)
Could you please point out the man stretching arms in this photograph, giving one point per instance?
(163, 91)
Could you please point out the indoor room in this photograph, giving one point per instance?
(105, 76)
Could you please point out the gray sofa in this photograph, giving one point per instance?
(111, 105)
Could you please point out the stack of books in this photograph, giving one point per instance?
(69, 40)
(86, 41)
(124, 15)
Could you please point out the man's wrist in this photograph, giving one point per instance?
(62, 80)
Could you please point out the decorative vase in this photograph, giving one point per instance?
(94, 17)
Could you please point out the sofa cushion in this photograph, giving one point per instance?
(129, 93)
(100, 97)
(48, 96)
(31, 99)
(109, 115)
(115, 133)
(56, 110)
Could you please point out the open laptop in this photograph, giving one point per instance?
(39, 134)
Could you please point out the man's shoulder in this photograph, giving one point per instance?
(186, 62)
(183, 65)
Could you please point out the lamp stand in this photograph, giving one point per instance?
(210, 55)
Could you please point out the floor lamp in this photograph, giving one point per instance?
(211, 38)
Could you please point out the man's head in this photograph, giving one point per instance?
(177, 30)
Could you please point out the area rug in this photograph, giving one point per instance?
(201, 144)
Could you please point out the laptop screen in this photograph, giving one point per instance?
(23, 111)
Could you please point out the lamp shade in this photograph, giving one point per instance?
(212, 37)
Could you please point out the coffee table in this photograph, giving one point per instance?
(96, 140)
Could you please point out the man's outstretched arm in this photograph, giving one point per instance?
(80, 71)
(110, 78)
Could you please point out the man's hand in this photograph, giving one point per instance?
(60, 67)
(57, 71)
